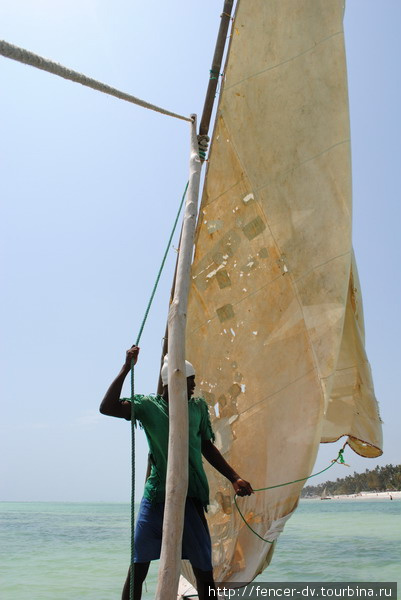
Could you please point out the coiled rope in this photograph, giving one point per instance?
(34, 60)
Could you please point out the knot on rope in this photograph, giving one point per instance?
(203, 143)
(215, 74)
(340, 458)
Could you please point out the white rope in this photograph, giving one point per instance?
(34, 60)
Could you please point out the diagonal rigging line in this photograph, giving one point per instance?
(288, 60)
(34, 60)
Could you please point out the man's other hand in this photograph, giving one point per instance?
(242, 487)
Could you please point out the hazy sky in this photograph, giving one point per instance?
(89, 187)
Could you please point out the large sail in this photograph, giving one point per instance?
(275, 327)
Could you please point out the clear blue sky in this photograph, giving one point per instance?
(89, 187)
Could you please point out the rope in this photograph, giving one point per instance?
(203, 143)
(131, 580)
(131, 589)
(161, 268)
(214, 73)
(338, 460)
(34, 60)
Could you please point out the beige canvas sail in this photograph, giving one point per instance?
(275, 327)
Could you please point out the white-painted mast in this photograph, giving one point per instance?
(177, 467)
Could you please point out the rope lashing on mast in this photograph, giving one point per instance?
(34, 60)
(133, 457)
(214, 74)
(203, 142)
(338, 460)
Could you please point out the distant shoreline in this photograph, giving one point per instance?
(360, 496)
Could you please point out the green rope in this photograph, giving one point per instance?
(338, 460)
(131, 589)
(131, 581)
(161, 269)
(214, 73)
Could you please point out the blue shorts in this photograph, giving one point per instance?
(196, 544)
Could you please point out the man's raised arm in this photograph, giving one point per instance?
(111, 404)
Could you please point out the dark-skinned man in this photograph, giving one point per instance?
(152, 413)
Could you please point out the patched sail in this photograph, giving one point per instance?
(274, 328)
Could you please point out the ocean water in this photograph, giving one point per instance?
(72, 551)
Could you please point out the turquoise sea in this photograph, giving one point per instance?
(72, 551)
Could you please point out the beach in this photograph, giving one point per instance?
(362, 496)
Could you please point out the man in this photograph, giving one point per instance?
(152, 413)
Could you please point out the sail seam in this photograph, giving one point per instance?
(222, 193)
(285, 61)
(355, 366)
(283, 174)
(326, 262)
(304, 162)
(277, 246)
(206, 321)
(277, 391)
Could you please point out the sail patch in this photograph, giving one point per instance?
(225, 312)
(254, 228)
(263, 253)
(223, 279)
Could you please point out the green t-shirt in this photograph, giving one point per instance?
(152, 413)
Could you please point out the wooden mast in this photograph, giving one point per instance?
(205, 120)
(177, 466)
(216, 67)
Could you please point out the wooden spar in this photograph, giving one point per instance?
(177, 465)
(216, 67)
(165, 339)
(169, 569)
(203, 130)
(205, 123)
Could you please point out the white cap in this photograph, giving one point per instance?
(189, 370)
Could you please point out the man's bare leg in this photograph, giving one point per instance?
(140, 572)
